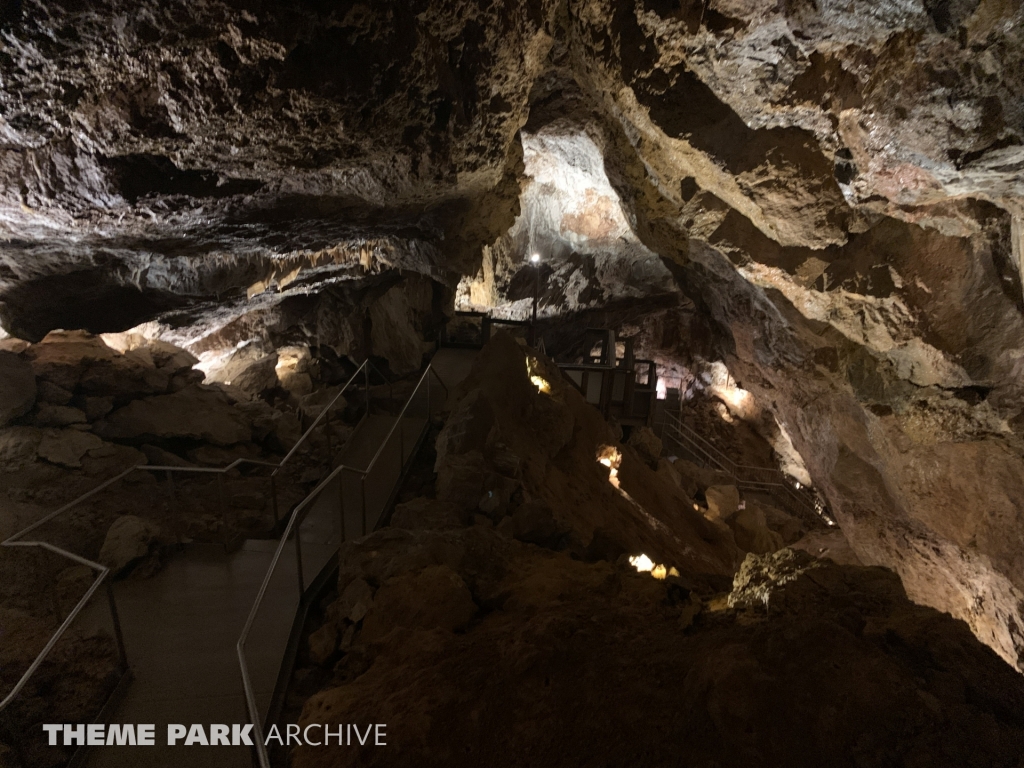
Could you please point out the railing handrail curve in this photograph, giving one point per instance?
(294, 519)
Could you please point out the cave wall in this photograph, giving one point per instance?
(834, 188)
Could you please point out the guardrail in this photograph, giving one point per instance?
(765, 479)
(376, 484)
(16, 540)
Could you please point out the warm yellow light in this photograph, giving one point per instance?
(541, 384)
(642, 563)
(611, 457)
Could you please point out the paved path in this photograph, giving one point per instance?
(180, 627)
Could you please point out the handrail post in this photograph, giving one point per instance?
(298, 561)
(222, 493)
(118, 636)
(327, 432)
(366, 388)
(341, 502)
(273, 496)
(362, 486)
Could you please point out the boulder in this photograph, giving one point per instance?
(645, 443)
(66, 447)
(249, 369)
(723, 501)
(699, 477)
(423, 514)
(77, 360)
(293, 366)
(257, 376)
(19, 447)
(196, 413)
(51, 393)
(13, 345)
(58, 416)
(751, 531)
(667, 470)
(17, 387)
(353, 604)
(786, 525)
(830, 544)
(128, 539)
(96, 407)
(535, 523)
(323, 643)
(434, 598)
(393, 334)
(158, 457)
(313, 403)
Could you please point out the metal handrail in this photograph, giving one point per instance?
(751, 477)
(15, 539)
(294, 519)
(66, 624)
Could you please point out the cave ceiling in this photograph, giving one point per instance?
(827, 196)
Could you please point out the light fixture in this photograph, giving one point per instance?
(535, 258)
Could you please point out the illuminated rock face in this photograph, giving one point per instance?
(825, 197)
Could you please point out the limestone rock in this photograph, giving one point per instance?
(97, 407)
(58, 416)
(67, 447)
(392, 332)
(248, 369)
(76, 360)
(723, 501)
(353, 604)
(158, 457)
(831, 544)
(17, 387)
(129, 538)
(646, 443)
(751, 531)
(196, 413)
(256, 376)
(534, 522)
(51, 393)
(293, 366)
(434, 598)
(323, 643)
(699, 478)
(19, 446)
(423, 513)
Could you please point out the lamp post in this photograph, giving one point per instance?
(535, 260)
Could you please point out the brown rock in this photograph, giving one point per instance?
(51, 393)
(422, 513)
(723, 501)
(323, 643)
(58, 416)
(17, 387)
(646, 443)
(129, 539)
(196, 413)
(434, 598)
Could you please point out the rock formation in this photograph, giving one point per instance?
(809, 215)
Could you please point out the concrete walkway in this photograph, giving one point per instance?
(181, 626)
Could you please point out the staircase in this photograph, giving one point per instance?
(680, 439)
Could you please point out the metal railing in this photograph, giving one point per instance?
(371, 488)
(16, 540)
(765, 479)
(485, 322)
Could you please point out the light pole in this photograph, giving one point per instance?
(535, 260)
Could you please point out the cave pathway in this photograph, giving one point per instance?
(180, 627)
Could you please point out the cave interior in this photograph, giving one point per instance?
(626, 382)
